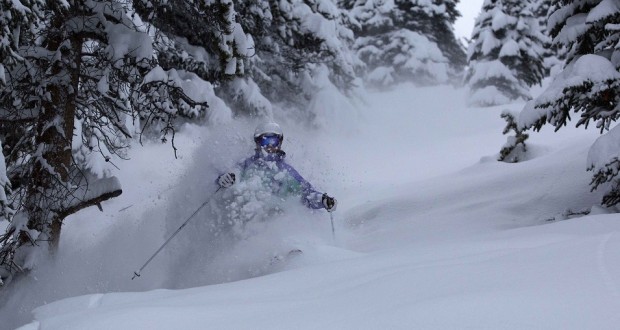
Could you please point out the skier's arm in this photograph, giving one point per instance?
(310, 196)
(226, 180)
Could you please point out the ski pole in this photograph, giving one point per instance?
(137, 273)
(331, 217)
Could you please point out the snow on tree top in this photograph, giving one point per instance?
(575, 26)
(487, 96)
(589, 67)
(328, 9)
(492, 69)
(123, 41)
(18, 6)
(501, 20)
(593, 68)
(316, 24)
(604, 149)
(560, 15)
(510, 48)
(489, 42)
(603, 10)
(374, 13)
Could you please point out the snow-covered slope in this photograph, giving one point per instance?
(431, 233)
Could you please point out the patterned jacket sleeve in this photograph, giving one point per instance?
(310, 196)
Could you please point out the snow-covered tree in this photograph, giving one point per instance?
(86, 83)
(552, 54)
(515, 148)
(293, 41)
(589, 85)
(200, 36)
(435, 19)
(17, 17)
(506, 53)
(5, 190)
(540, 9)
(258, 52)
(208, 38)
(6, 212)
(407, 40)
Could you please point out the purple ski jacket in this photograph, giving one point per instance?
(279, 177)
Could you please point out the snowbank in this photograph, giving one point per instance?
(431, 233)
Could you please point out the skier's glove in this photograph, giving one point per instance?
(226, 180)
(329, 203)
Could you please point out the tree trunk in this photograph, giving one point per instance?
(55, 128)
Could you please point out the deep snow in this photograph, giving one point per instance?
(432, 233)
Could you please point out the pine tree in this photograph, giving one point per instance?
(16, 19)
(540, 9)
(6, 212)
(553, 56)
(199, 36)
(435, 20)
(588, 86)
(407, 40)
(67, 111)
(204, 38)
(276, 45)
(293, 41)
(514, 149)
(208, 38)
(506, 53)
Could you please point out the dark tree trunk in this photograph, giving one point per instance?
(54, 129)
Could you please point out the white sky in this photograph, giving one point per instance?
(465, 24)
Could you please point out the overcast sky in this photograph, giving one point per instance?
(469, 10)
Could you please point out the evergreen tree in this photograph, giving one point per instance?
(407, 40)
(506, 53)
(204, 38)
(198, 36)
(16, 19)
(514, 149)
(540, 9)
(553, 56)
(293, 41)
(6, 212)
(277, 46)
(67, 111)
(435, 20)
(208, 39)
(588, 86)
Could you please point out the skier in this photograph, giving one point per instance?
(264, 180)
(276, 176)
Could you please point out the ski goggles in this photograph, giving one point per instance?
(271, 140)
